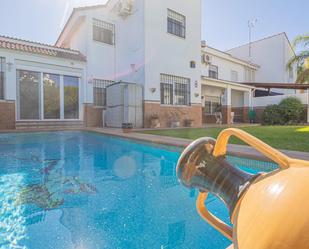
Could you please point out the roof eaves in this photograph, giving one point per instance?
(262, 39)
(79, 9)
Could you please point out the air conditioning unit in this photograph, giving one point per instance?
(203, 43)
(207, 59)
(125, 8)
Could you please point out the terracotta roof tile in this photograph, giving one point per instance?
(39, 48)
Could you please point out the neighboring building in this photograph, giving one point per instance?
(272, 55)
(155, 45)
(222, 75)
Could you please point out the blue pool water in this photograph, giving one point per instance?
(81, 190)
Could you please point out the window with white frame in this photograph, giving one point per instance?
(234, 76)
(99, 91)
(176, 23)
(212, 105)
(39, 96)
(213, 72)
(249, 75)
(2, 76)
(175, 90)
(103, 32)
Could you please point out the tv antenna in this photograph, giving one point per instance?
(251, 25)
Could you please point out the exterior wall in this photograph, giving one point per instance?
(272, 54)
(169, 54)
(260, 103)
(166, 114)
(105, 61)
(226, 64)
(93, 116)
(7, 115)
(273, 100)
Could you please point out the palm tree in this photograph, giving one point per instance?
(301, 58)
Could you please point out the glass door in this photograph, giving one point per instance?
(28, 95)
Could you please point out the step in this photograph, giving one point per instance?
(28, 125)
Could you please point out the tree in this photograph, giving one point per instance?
(301, 58)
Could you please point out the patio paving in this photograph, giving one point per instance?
(233, 149)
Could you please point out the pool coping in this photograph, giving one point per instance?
(233, 149)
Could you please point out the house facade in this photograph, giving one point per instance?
(222, 78)
(272, 54)
(152, 43)
(155, 45)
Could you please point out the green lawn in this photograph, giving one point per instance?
(280, 137)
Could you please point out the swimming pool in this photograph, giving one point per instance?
(83, 190)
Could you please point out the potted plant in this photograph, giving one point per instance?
(127, 127)
(188, 122)
(175, 120)
(154, 120)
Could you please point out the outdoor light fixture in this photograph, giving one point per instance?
(152, 89)
(196, 95)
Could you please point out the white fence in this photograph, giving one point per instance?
(273, 100)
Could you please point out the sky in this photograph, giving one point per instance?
(224, 24)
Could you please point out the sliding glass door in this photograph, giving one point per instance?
(51, 91)
(71, 96)
(29, 94)
(45, 96)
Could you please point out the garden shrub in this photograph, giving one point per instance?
(292, 110)
(272, 115)
(289, 111)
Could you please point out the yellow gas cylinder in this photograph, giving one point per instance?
(268, 211)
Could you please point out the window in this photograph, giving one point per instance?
(103, 32)
(176, 23)
(46, 96)
(51, 83)
(213, 72)
(174, 90)
(192, 64)
(212, 105)
(2, 77)
(99, 91)
(234, 76)
(249, 75)
(29, 94)
(71, 97)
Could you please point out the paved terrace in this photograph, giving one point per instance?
(233, 149)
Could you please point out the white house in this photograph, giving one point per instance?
(106, 53)
(222, 78)
(272, 54)
(152, 43)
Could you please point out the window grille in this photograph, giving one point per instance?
(175, 90)
(99, 91)
(176, 24)
(213, 72)
(2, 76)
(103, 32)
